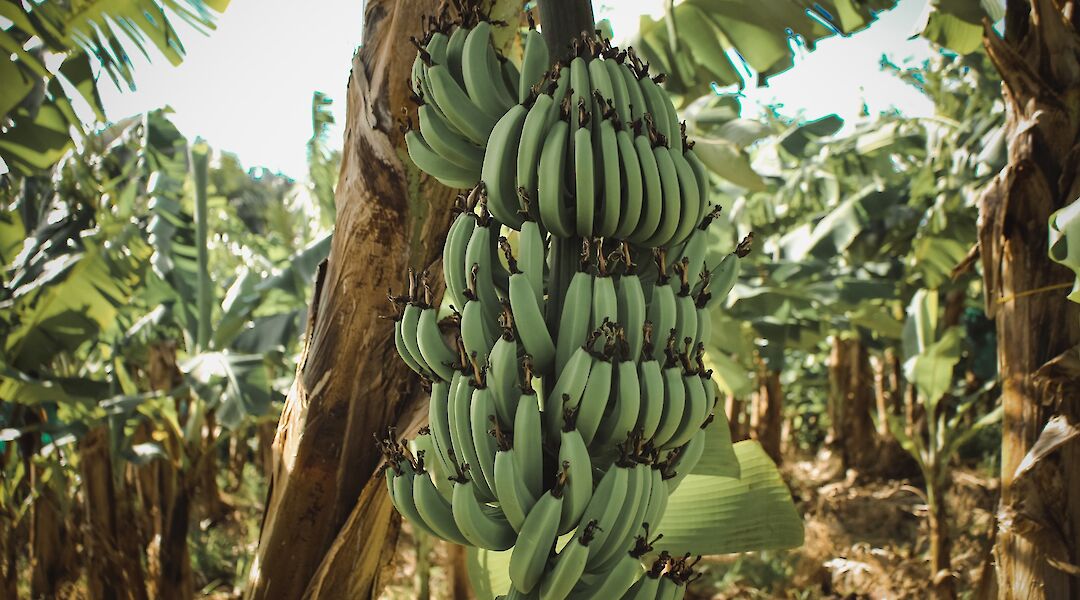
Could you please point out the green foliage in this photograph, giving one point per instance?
(700, 43)
(36, 109)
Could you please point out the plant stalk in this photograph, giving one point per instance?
(200, 158)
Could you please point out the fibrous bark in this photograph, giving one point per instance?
(1039, 61)
(350, 383)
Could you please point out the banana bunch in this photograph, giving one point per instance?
(462, 86)
(569, 392)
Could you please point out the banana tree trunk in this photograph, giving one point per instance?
(850, 398)
(328, 523)
(53, 559)
(1039, 61)
(113, 554)
(766, 419)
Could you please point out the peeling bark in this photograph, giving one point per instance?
(350, 383)
(1039, 62)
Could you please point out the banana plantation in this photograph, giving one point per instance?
(561, 314)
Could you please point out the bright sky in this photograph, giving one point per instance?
(247, 87)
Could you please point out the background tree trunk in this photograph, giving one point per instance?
(766, 419)
(1039, 62)
(113, 556)
(327, 519)
(851, 394)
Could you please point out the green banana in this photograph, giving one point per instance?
(569, 565)
(480, 528)
(580, 88)
(500, 167)
(454, 49)
(439, 421)
(723, 277)
(574, 321)
(553, 212)
(653, 198)
(568, 388)
(514, 497)
(482, 79)
(674, 402)
(503, 372)
(658, 498)
(410, 321)
(661, 311)
(695, 411)
(482, 416)
(429, 340)
(476, 335)
(606, 503)
(534, 62)
(432, 163)
(400, 486)
(574, 458)
(594, 400)
(651, 381)
(620, 420)
(635, 98)
(479, 262)
(435, 510)
(672, 195)
(536, 538)
(632, 188)
(620, 95)
(693, 203)
(603, 91)
(688, 458)
(528, 436)
(607, 154)
(631, 308)
(446, 141)
(457, 240)
(461, 433)
(533, 134)
(531, 258)
(436, 47)
(626, 523)
(403, 350)
(584, 179)
(459, 109)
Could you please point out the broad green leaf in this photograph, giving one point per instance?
(733, 378)
(798, 139)
(932, 370)
(726, 160)
(35, 143)
(17, 84)
(722, 515)
(923, 312)
(1065, 242)
(245, 388)
(718, 458)
(489, 572)
(738, 28)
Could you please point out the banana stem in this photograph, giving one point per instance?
(564, 20)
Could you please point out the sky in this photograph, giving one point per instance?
(246, 88)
